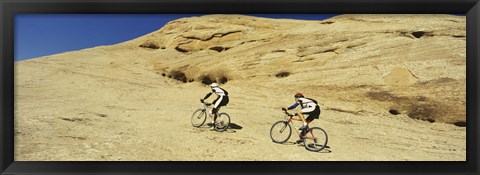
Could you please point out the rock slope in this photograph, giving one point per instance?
(391, 87)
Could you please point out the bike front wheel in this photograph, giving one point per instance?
(280, 132)
(315, 139)
(222, 122)
(199, 117)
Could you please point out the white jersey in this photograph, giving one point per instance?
(306, 103)
(219, 91)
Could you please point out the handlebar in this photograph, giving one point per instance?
(286, 113)
(208, 104)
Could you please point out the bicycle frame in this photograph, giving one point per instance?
(219, 125)
(206, 107)
(290, 122)
(313, 138)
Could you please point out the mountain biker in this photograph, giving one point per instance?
(221, 100)
(309, 106)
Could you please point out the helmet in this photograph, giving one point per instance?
(213, 85)
(297, 95)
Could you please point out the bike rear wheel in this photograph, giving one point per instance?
(280, 132)
(199, 117)
(315, 139)
(222, 122)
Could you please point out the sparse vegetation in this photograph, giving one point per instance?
(418, 34)
(205, 79)
(178, 75)
(282, 74)
(150, 45)
(394, 111)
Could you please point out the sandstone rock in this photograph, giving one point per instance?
(390, 80)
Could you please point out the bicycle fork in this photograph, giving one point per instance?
(284, 127)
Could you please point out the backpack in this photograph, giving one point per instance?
(315, 101)
(226, 93)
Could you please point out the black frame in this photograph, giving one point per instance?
(8, 9)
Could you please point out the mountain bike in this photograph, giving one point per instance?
(200, 116)
(314, 139)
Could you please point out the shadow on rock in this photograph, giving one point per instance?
(234, 126)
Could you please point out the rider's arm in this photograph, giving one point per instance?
(208, 95)
(293, 106)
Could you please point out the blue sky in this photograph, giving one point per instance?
(38, 35)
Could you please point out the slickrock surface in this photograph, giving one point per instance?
(391, 87)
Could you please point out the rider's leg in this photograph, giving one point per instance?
(301, 129)
(312, 116)
(310, 112)
(215, 113)
(300, 115)
(216, 107)
(315, 114)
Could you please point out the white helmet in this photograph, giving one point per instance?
(213, 85)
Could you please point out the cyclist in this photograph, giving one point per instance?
(309, 106)
(222, 100)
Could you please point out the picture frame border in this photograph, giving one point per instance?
(10, 8)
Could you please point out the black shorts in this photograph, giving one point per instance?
(224, 101)
(315, 114)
